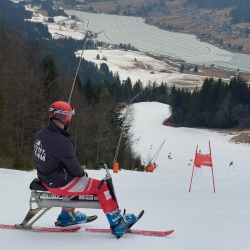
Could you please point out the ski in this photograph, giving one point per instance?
(133, 231)
(93, 230)
(42, 229)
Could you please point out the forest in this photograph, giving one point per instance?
(63, 50)
(34, 73)
(30, 82)
(217, 104)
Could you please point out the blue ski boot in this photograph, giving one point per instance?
(119, 224)
(68, 218)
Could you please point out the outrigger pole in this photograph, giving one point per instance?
(89, 36)
(109, 182)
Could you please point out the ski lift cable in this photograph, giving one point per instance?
(89, 36)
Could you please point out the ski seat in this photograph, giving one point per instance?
(44, 198)
(37, 185)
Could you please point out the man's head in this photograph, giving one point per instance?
(61, 111)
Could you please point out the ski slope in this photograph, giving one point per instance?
(202, 219)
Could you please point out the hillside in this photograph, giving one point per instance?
(216, 25)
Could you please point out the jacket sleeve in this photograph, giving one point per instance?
(68, 158)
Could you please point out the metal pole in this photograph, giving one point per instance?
(119, 142)
(157, 152)
(109, 183)
(212, 166)
(193, 169)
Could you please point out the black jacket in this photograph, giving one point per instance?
(56, 162)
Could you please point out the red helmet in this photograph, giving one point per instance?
(61, 111)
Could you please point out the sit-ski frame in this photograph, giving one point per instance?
(45, 200)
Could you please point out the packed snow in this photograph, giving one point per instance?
(202, 219)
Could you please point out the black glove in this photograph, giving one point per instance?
(84, 173)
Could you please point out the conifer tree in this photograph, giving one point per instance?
(50, 85)
(127, 89)
(137, 88)
(89, 90)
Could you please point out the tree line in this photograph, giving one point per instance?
(30, 81)
(217, 104)
(33, 75)
(35, 71)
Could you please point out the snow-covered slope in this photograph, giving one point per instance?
(202, 219)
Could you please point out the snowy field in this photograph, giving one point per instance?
(62, 26)
(150, 39)
(202, 219)
(133, 64)
(138, 65)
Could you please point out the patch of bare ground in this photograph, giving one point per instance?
(242, 138)
(191, 80)
(208, 71)
(205, 71)
(142, 65)
(110, 6)
(240, 135)
(217, 73)
(42, 12)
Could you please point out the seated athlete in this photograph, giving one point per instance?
(60, 172)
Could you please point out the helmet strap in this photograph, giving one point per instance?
(66, 126)
(55, 119)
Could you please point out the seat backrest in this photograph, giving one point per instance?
(37, 185)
